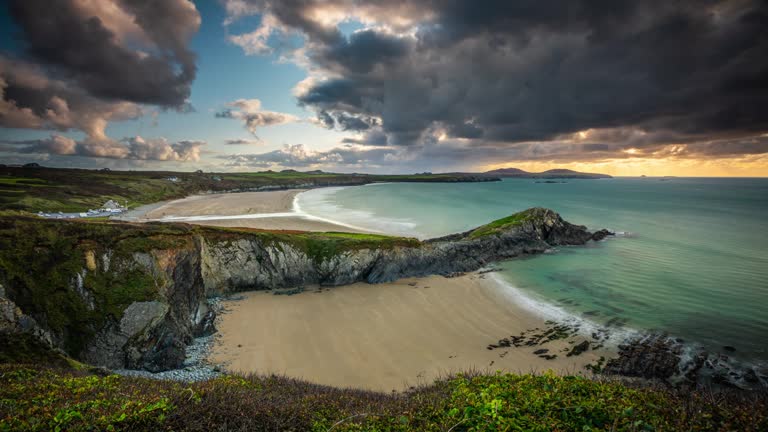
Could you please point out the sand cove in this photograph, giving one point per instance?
(380, 337)
(385, 336)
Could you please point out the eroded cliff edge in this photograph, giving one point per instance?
(134, 295)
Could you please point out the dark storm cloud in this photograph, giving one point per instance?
(364, 50)
(503, 73)
(344, 121)
(82, 64)
(372, 137)
(135, 148)
(81, 47)
(30, 99)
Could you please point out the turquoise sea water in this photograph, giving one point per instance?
(693, 262)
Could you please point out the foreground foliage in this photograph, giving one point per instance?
(33, 398)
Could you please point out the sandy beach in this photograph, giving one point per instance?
(379, 337)
(386, 336)
(228, 204)
(265, 210)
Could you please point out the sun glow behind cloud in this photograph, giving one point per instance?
(753, 166)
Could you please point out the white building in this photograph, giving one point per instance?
(111, 205)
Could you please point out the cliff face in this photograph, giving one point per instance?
(131, 295)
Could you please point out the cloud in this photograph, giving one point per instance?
(87, 63)
(135, 148)
(136, 49)
(299, 156)
(240, 141)
(253, 117)
(521, 79)
(31, 100)
(372, 137)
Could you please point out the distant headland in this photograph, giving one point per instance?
(549, 174)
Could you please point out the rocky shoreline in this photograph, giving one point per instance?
(657, 356)
(651, 357)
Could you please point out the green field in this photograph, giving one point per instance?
(76, 190)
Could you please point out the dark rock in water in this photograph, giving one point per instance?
(579, 348)
(490, 270)
(652, 356)
(541, 351)
(729, 348)
(603, 233)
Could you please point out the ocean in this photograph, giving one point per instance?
(691, 258)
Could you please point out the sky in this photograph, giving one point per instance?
(399, 86)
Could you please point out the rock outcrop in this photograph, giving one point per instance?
(141, 290)
(662, 358)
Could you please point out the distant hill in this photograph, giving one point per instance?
(553, 173)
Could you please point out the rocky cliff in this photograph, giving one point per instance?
(134, 295)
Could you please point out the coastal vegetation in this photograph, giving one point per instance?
(39, 398)
(78, 280)
(76, 190)
(499, 225)
(54, 262)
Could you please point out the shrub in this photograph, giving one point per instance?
(35, 398)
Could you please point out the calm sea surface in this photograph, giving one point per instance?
(693, 261)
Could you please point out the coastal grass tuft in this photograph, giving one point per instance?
(37, 398)
(502, 224)
(325, 246)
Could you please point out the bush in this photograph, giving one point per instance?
(34, 398)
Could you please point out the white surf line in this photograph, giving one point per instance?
(545, 309)
(296, 213)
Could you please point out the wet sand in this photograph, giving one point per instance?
(243, 209)
(386, 336)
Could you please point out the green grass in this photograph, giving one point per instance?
(502, 224)
(31, 182)
(41, 399)
(76, 190)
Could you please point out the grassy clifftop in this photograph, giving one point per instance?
(505, 223)
(43, 260)
(34, 398)
(75, 190)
